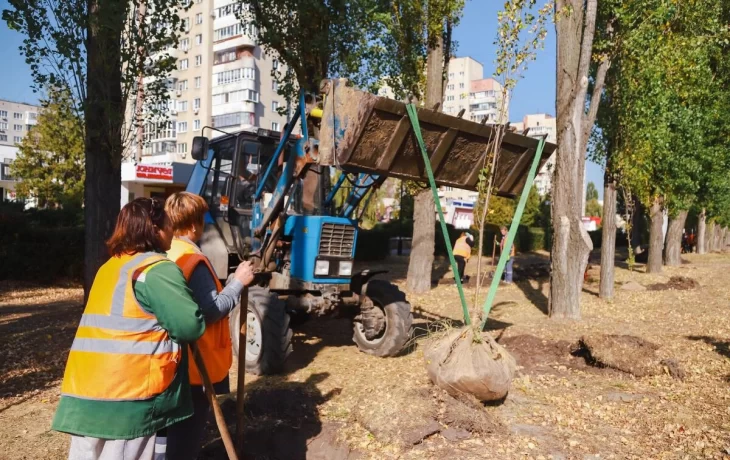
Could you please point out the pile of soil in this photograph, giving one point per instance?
(677, 283)
(626, 353)
(466, 361)
(406, 418)
(540, 356)
(533, 272)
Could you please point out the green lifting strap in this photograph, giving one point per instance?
(505, 255)
(413, 115)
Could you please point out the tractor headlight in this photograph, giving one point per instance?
(345, 268)
(322, 268)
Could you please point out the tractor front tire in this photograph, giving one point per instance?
(268, 335)
(398, 319)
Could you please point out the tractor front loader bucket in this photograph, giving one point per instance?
(361, 132)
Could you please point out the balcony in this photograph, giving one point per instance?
(5, 173)
(31, 118)
(242, 40)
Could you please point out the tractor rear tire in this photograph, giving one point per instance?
(268, 333)
(398, 320)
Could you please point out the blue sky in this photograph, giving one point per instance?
(535, 93)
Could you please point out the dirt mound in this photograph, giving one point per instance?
(627, 353)
(533, 271)
(537, 355)
(468, 362)
(407, 417)
(677, 283)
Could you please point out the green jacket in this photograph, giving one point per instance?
(165, 294)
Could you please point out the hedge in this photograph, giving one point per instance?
(40, 246)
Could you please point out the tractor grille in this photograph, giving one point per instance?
(337, 240)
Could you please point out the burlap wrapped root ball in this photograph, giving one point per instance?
(465, 361)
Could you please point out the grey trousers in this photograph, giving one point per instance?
(145, 448)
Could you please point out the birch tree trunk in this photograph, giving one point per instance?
(656, 238)
(608, 240)
(702, 233)
(673, 241)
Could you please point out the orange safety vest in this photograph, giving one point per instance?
(462, 248)
(120, 352)
(215, 344)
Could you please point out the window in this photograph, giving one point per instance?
(182, 85)
(450, 87)
(17, 139)
(198, 1)
(3, 138)
(182, 106)
(274, 126)
(231, 76)
(196, 103)
(185, 44)
(461, 74)
(198, 40)
(157, 131)
(17, 116)
(198, 60)
(182, 126)
(231, 8)
(274, 106)
(236, 96)
(232, 119)
(234, 30)
(461, 86)
(186, 24)
(196, 125)
(451, 75)
(275, 85)
(3, 125)
(18, 127)
(222, 57)
(275, 64)
(32, 115)
(183, 64)
(197, 82)
(182, 147)
(3, 114)
(449, 98)
(199, 18)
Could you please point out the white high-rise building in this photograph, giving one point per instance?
(462, 71)
(539, 125)
(16, 119)
(485, 102)
(223, 80)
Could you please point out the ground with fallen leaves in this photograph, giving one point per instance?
(336, 403)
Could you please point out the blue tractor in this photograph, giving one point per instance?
(271, 201)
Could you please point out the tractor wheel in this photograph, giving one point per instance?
(268, 335)
(384, 324)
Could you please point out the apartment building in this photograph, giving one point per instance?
(462, 71)
(485, 102)
(223, 80)
(16, 118)
(539, 125)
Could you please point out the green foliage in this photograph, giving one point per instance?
(591, 192)
(594, 208)
(56, 47)
(531, 216)
(50, 160)
(41, 245)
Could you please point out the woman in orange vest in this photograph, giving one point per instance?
(187, 213)
(126, 378)
(462, 253)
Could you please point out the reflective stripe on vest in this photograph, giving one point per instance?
(462, 248)
(215, 344)
(120, 352)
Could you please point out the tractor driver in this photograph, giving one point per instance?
(246, 187)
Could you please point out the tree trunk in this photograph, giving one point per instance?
(420, 264)
(673, 241)
(702, 232)
(104, 113)
(571, 243)
(716, 239)
(710, 237)
(637, 225)
(608, 240)
(656, 237)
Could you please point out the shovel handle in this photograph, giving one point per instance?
(210, 393)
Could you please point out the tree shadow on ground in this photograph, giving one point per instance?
(282, 422)
(535, 295)
(722, 347)
(34, 344)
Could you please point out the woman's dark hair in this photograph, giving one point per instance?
(137, 227)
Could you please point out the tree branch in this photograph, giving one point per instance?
(590, 118)
(589, 31)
